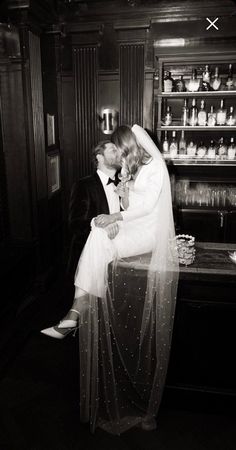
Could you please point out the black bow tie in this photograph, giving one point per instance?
(115, 181)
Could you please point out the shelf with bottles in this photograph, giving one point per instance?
(178, 78)
(213, 94)
(189, 151)
(205, 115)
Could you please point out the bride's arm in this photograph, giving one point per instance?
(154, 182)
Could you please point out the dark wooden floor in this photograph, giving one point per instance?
(39, 392)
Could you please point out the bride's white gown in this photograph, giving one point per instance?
(126, 323)
(136, 234)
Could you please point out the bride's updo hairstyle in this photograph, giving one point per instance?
(133, 154)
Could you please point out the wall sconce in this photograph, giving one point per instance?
(108, 120)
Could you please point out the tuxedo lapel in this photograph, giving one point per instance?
(101, 195)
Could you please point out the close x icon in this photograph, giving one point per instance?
(212, 23)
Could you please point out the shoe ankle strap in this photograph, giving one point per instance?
(74, 310)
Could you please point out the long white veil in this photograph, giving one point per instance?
(126, 336)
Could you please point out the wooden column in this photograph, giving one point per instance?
(131, 83)
(85, 64)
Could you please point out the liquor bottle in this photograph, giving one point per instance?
(182, 144)
(206, 76)
(222, 150)
(168, 82)
(201, 150)
(180, 84)
(221, 114)
(211, 118)
(216, 82)
(231, 118)
(231, 153)
(193, 114)
(230, 81)
(205, 81)
(173, 146)
(211, 152)
(193, 84)
(191, 149)
(185, 112)
(168, 116)
(165, 145)
(202, 115)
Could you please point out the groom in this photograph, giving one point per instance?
(92, 196)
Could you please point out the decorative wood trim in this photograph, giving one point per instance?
(131, 83)
(85, 76)
(37, 114)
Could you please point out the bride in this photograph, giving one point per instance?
(126, 309)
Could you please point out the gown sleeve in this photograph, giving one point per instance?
(153, 181)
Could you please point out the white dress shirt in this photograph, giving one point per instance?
(111, 195)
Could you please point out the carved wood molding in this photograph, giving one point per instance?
(85, 65)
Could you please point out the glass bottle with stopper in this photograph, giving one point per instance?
(201, 150)
(211, 152)
(221, 114)
(191, 149)
(182, 144)
(193, 84)
(205, 81)
(206, 76)
(193, 114)
(216, 82)
(185, 111)
(202, 115)
(173, 145)
(165, 145)
(231, 118)
(168, 81)
(231, 152)
(211, 118)
(222, 150)
(180, 84)
(230, 80)
(168, 116)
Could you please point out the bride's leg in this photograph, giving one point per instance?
(91, 273)
(90, 279)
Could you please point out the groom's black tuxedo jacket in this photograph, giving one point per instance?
(88, 199)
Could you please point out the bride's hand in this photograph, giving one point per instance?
(122, 190)
(112, 230)
(103, 220)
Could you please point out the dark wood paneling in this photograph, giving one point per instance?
(85, 65)
(14, 144)
(37, 113)
(68, 134)
(131, 83)
(4, 219)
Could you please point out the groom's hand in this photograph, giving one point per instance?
(103, 220)
(112, 230)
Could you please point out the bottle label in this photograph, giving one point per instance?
(168, 85)
(231, 152)
(202, 118)
(221, 118)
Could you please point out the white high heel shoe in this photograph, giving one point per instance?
(64, 327)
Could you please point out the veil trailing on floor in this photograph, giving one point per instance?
(125, 336)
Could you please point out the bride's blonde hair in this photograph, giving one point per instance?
(131, 152)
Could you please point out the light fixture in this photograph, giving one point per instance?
(108, 120)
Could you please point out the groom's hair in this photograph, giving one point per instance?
(99, 150)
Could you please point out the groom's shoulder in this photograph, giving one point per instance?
(88, 181)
